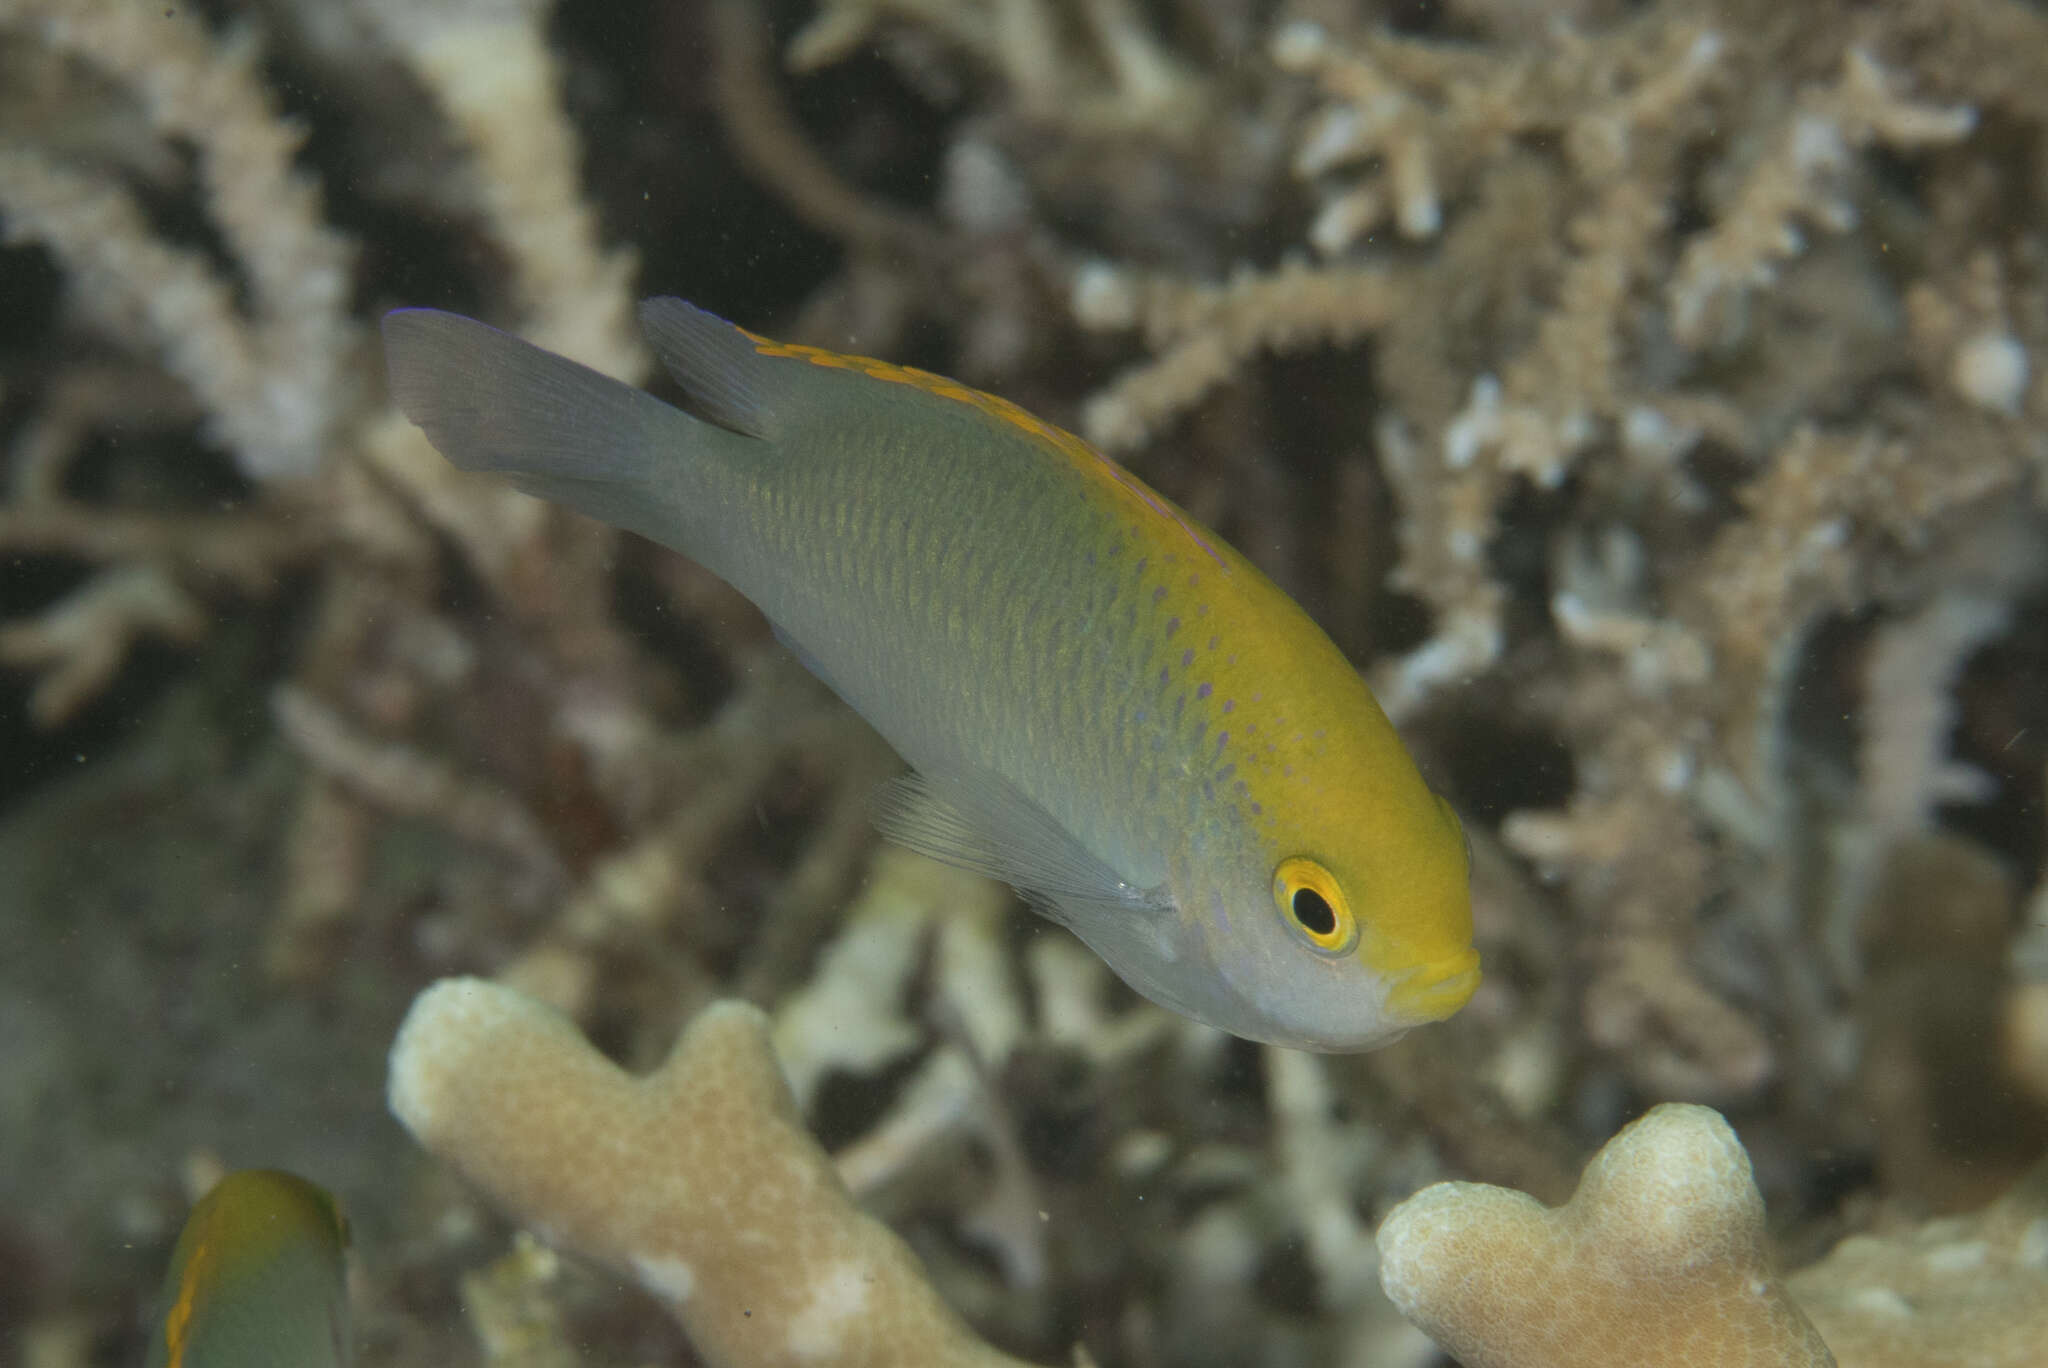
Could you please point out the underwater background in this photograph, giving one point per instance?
(1650, 398)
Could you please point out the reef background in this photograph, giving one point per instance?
(1652, 398)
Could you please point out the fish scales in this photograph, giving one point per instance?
(1032, 707)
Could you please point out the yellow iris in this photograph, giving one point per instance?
(1314, 905)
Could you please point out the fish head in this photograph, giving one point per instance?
(1329, 934)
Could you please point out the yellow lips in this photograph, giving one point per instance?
(1431, 992)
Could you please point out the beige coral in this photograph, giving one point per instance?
(271, 374)
(1105, 72)
(1660, 1258)
(1797, 181)
(81, 639)
(1960, 1292)
(1206, 333)
(699, 1180)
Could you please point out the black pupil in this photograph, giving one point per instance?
(1314, 912)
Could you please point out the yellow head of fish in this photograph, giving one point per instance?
(1314, 892)
(1362, 925)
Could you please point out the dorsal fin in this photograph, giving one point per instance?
(717, 365)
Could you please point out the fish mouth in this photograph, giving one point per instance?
(1433, 991)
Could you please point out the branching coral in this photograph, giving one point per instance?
(1121, 79)
(1659, 1258)
(1209, 333)
(1797, 180)
(1961, 1290)
(398, 779)
(698, 1181)
(79, 642)
(269, 374)
(487, 63)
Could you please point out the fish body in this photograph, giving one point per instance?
(1103, 703)
(258, 1279)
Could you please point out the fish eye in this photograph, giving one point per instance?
(1314, 905)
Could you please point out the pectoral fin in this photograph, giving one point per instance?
(985, 823)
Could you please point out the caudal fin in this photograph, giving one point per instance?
(561, 431)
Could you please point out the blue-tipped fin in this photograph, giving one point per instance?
(718, 366)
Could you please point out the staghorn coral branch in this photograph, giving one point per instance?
(81, 640)
(247, 550)
(1123, 81)
(406, 781)
(1798, 181)
(1373, 116)
(488, 65)
(273, 380)
(133, 282)
(1210, 331)
(327, 860)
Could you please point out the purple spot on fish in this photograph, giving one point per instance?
(1222, 740)
(1165, 676)
(1258, 811)
(1204, 691)
(1213, 641)
(1143, 561)
(1224, 774)
(1239, 787)
(1187, 658)
(1229, 706)
(1172, 626)
(1180, 703)
(1159, 593)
